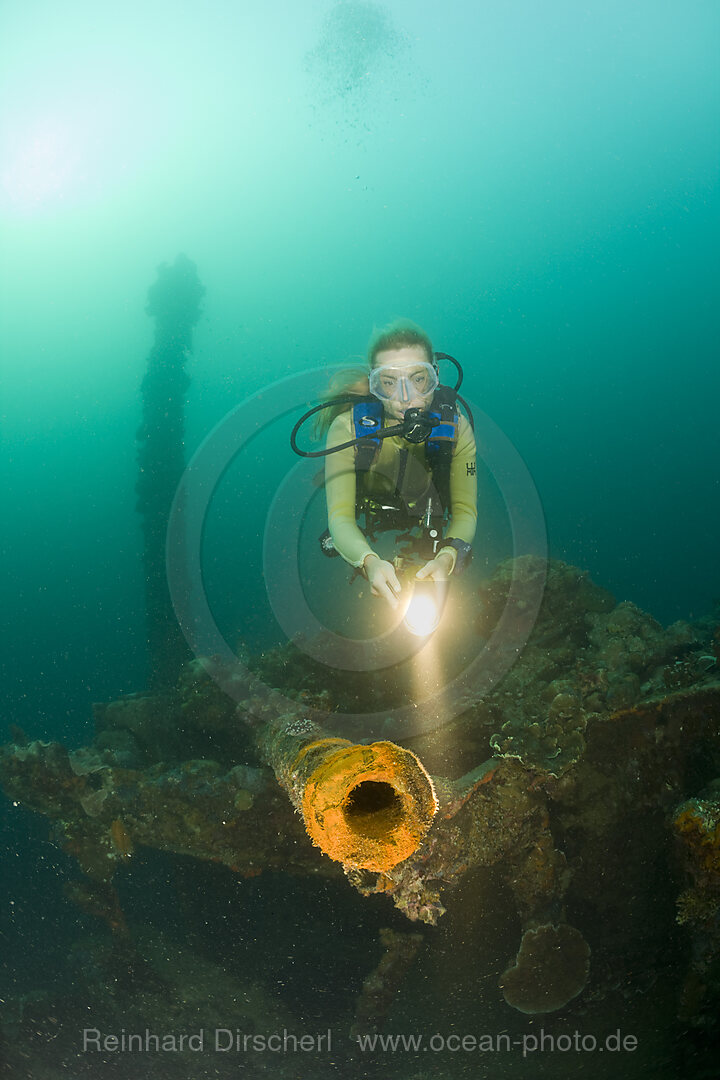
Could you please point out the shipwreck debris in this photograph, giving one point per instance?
(552, 826)
(551, 969)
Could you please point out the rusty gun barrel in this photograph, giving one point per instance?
(366, 806)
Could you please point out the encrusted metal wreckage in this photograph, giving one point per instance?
(606, 725)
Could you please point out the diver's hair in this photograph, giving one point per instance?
(353, 381)
(398, 335)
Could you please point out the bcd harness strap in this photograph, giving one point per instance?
(367, 416)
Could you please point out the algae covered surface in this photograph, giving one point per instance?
(573, 865)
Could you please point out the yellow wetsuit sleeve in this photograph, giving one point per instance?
(463, 486)
(340, 485)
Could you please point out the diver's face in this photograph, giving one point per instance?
(410, 361)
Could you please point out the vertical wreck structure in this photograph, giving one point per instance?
(174, 304)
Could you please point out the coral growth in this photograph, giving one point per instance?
(584, 753)
(551, 969)
(696, 824)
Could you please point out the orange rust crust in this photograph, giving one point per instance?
(318, 745)
(368, 807)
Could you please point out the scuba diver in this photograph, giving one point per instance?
(399, 456)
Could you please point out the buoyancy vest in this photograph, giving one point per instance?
(367, 416)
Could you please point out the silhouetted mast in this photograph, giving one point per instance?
(174, 303)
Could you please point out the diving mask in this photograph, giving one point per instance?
(389, 382)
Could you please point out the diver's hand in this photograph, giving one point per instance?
(382, 578)
(438, 569)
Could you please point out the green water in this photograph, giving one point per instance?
(532, 181)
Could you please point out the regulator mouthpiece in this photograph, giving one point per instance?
(418, 425)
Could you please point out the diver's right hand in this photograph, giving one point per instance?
(382, 578)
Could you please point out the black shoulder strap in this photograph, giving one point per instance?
(441, 443)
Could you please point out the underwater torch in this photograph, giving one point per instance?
(424, 609)
(422, 615)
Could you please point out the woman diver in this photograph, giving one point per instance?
(400, 456)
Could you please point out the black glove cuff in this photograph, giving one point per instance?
(464, 554)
